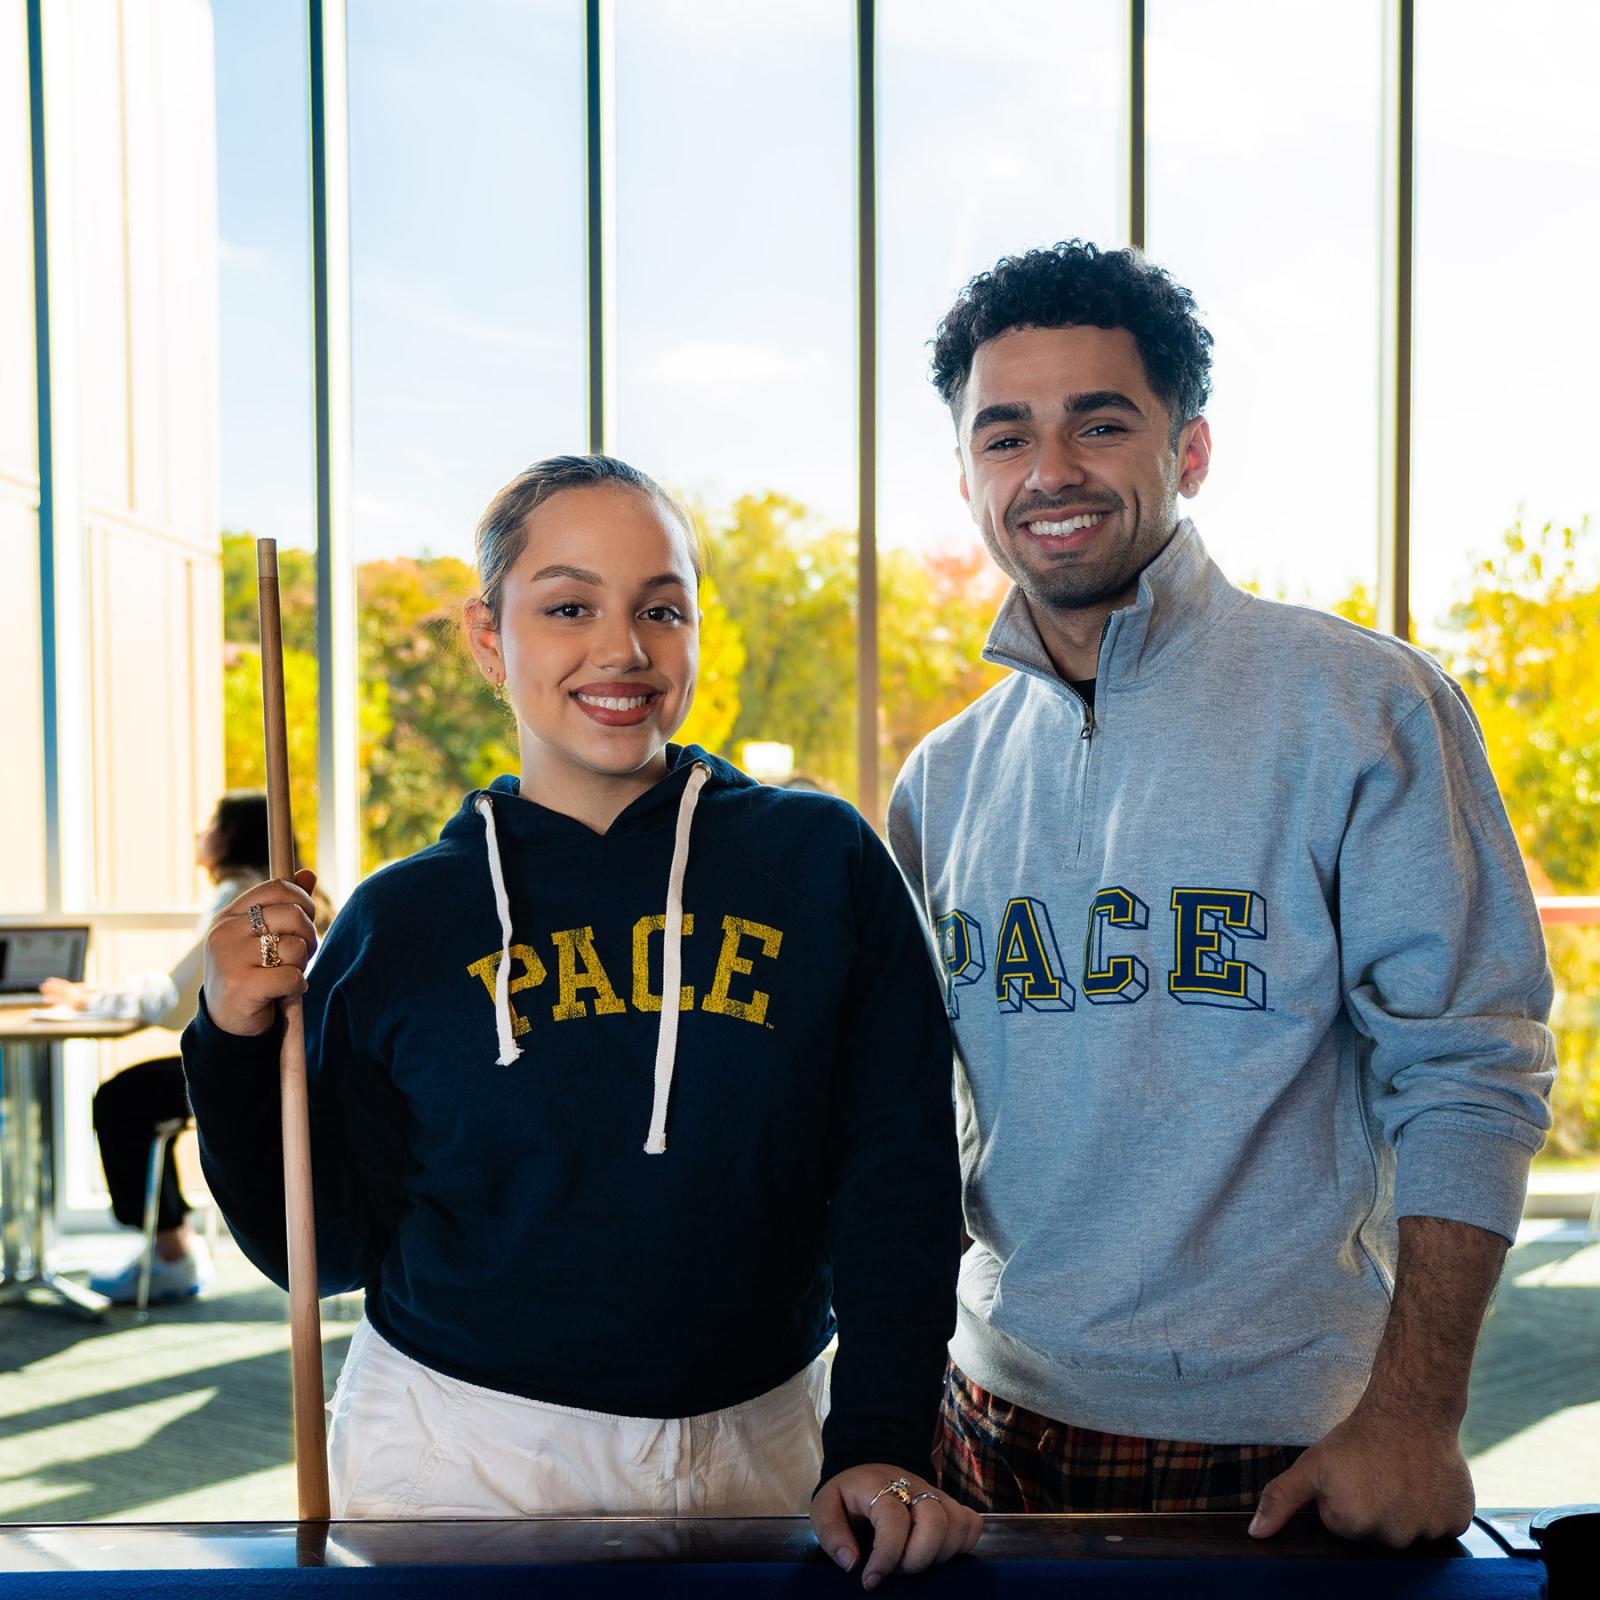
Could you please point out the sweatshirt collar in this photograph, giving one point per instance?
(1182, 595)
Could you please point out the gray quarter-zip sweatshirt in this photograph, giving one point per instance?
(1242, 965)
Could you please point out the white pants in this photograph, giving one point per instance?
(406, 1441)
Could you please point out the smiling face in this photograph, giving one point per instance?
(1068, 464)
(598, 639)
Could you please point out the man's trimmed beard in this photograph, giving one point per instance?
(1065, 588)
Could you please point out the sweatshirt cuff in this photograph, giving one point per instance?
(918, 1461)
(206, 1047)
(1461, 1175)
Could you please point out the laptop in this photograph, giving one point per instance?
(30, 955)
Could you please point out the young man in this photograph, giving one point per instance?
(1247, 983)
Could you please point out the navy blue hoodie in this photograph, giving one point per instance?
(505, 1220)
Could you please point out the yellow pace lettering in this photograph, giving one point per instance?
(643, 999)
(572, 946)
(730, 962)
(533, 974)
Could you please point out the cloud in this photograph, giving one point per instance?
(727, 363)
(438, 313)
(247, 257)
(380, 513)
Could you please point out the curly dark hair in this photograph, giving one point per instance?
(1076, 284)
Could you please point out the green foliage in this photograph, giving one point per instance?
(1526, 655)
(715, 712)
(297, 593)
(244, 759)
(430, 727)
(790, 585)
(934, 616)
(1523, 647)
(1575, 961)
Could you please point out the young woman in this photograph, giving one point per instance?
(129, 1107)
(604, 1238)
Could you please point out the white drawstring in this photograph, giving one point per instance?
(672, 964)
(510, 1050)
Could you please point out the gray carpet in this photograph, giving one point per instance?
(186, 1416)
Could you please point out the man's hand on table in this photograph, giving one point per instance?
(1377, 1475)
(1393, 1469)
(904, 1539)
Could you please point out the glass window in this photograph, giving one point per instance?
(1264, 199)
(966, 176)
(267, 484)
(735, 348)
(468, 327)
(1508, 328)
(1505, 556)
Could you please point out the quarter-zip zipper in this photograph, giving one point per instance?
(1087, 735)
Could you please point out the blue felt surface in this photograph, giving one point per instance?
(1377, 1579)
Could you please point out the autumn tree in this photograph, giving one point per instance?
(244, 762)
(1521, 641)
(788, 581)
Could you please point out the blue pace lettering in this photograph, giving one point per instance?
(1114, 980)
(1027, 961)
(1207, 969)
(961, 949)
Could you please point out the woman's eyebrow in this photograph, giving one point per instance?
(577, 574)
(665, 580)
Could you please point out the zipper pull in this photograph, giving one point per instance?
(1088, 724)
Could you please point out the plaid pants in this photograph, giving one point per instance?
(995, 1456)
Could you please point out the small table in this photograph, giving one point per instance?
(28, 1075)
(1108, 1557)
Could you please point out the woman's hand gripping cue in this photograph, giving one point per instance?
(256, 953)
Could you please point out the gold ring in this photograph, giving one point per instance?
(257, 921)
(900, 1488)
(269, 950)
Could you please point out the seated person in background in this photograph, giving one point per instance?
(131, 1105)
(603, 1241)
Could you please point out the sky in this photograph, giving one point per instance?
(1000, 128)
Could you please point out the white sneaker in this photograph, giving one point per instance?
(184, 1279)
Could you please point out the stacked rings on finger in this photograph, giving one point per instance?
(927, 1494)
(900, 1488)
(258, 923)
(269, 950)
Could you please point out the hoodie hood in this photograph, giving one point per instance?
(530, 823)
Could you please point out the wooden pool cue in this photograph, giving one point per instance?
(305, 1322)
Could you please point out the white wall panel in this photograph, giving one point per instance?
(148, 248)
(19, 437)
(186, 131)
(136, 139)
(156, 646)
(96, 151)
(22, 835)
